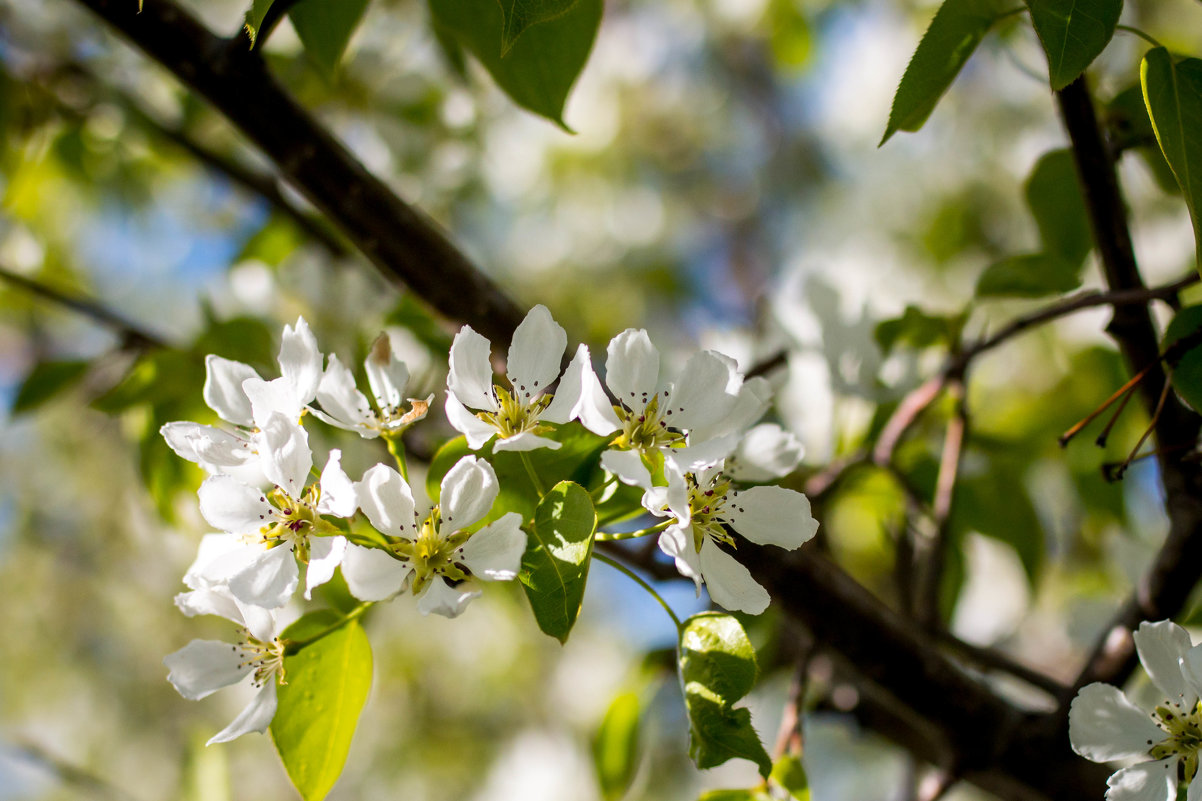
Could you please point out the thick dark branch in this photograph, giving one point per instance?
(403, 243)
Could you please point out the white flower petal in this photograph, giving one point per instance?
(580, 396)
(232, 506)
(202, 667)
(1161, 646)
(223, 389)
(470, 377)
(443, 599)
(632, 368)
(1103, 725)
(1150, 781)
(386, 375)
(1194, 793)
(271, 397)
(209, 601)
(752, 400)
(284, 454)
(477, 432)
(627, 466)
(269, 580)
(701, 454)
(255, 717)
(371, 574)
(219, 558)
(300, 362)
(677, 542)
(535, 354)
(525, 441)
(468, 491)
(730, 583)
(1191, 668)
(495, 551)
(338, 497)
(344, 406)
(765, 453)
(263, 624)
(207, 446)
(387, 501)
(706, 392)
(325, 554)
(771, 516)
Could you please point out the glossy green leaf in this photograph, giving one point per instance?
(717, 668)
(1031, 275)
(1186, 359)
(539, 69)
(616, 746)
(1131, 129)
(1073, 33)
(319, 707)
(46, 380)
(555, 565)
(954, 33)
(790, 774)
(1054, 197)
(1173, 94)
(521, 14)
(254, 18)
(325, 28)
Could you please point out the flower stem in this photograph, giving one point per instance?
(292, 646)
(1146, 37)
(397, 449)
(642, 583)
(630, 535)
(534, 479)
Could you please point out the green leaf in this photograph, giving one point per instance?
(1131, 129)
(162, 376)
(521, 14)
(1187, 366)
(46, 380)
(555, 565)
(1073, 33)
(996, 503)
(319, 707)
(1173, 94)
(954, 33)
(717, 668)
(616, 746)
(789, 773)
(1054, 197)
(538, 70)
(918, 329)
(736, 795)
(254, 18)
(325, 28)
(1029, 276)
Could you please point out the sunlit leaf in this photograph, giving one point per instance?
(555, 565)
(319, 707)
(1173, 93)
(1186, 359)
(954, 33)
(521, 14)
(1131, 129)
(717, 668)
(616, 746)
(254, 18)
(325, 28)
(539, 69)
(1073, 33)
(46, 380)
(789, 773)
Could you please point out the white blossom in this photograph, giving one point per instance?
(344, 406)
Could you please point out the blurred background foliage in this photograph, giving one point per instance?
(723, 187)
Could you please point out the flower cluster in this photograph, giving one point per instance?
(682, 440)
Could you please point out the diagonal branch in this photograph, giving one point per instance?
(399, 240)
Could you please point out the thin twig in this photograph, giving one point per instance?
(930, 555)
(69, 774)
(992, 659)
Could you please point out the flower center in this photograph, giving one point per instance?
(706, 504)
(434, 552)
(266, 659)
(1184, 730)
(518, 412)
(394, 419)
(290, 521)
(648, 429)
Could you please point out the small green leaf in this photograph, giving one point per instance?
(616, 746)
(1032, 275)
(1173, 94)
(1073, 33)
(789, 773)
(752, 794)
(319, 707)
(1187, 365)
(46, 380)
(918, 329)
(954, 33)
(538, 70)
(521, 14)
(254, 18)
(1131, 129)
(325, 28)
(555, 565)
(717, 668)
(1054, 197)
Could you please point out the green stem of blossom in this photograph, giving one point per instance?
(397, 449)
(534, 479)
(614, 536)
(292, 646)
(642, 583)
(1146, 37)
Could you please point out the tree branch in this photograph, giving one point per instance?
(403, 243)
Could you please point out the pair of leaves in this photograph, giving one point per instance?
(717, 668)
(533, 49)
(319, 707)
(1054, 197)
(324, 27)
